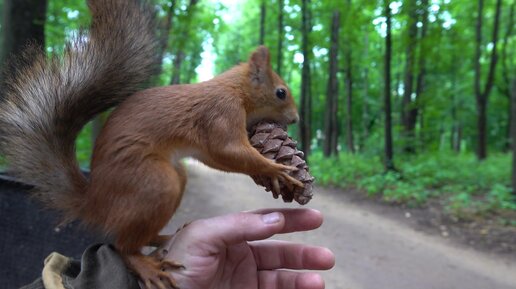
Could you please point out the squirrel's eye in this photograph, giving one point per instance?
(281, 93)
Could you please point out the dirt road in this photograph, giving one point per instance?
(372, 251)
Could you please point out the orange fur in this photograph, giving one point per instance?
(137, 180)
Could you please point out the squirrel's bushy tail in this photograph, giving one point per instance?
(46, 101)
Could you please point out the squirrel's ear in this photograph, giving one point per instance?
(259, 65)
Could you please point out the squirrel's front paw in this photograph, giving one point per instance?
(280, 172)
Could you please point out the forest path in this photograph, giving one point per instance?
(372, 250)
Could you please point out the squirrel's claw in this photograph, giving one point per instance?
(276, 186)
(152, 272)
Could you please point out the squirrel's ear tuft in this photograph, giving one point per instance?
(259, 65)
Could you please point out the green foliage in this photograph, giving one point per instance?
(447, 100)
(500, 197)
(343, 168)
(465, 185)
(192, 31)
(64, 20)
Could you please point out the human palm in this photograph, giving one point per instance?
(230, 252)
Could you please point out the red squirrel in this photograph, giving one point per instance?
(137, 180)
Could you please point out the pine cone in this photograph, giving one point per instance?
(273, 142)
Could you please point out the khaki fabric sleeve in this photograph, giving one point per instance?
(55, 265)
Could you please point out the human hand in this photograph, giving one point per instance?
(230, 252)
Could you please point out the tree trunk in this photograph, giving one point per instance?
(263, 10)
(349, 100)
(513, 133)
(365, 104)
(389, 162)
(176, 69)
(420, 79)
(482, 129)
(455, 106)
(332, 103)
(508, 129)
(96, 125)
(456, 129)
(506, 87)
(180, 54)
(23, 21)
(305, 103)
(481, 149)
(331, 119)
(456, 133)
(482, 96)
(422, 136)
(408, 82)
(281, 35)
(459, 137)
(396, 96)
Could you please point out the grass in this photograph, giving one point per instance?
(466, 186)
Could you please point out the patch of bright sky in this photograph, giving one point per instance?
(435, 6)
(72, 14)
(380, 21)
(206, 69)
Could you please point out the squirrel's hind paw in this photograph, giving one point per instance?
(152, 272)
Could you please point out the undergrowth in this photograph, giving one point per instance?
(465, 186)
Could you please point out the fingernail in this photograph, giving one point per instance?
(271, 218)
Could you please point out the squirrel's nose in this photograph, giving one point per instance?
(295, 119)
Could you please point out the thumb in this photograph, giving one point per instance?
(240, 227)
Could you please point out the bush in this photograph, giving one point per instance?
(465, 184)
(344, 169)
